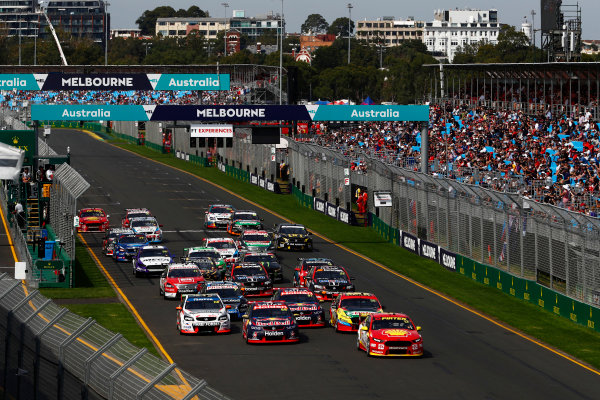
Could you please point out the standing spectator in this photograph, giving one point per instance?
(49, 174)
(19, 213)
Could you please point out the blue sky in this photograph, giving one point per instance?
(125, 12)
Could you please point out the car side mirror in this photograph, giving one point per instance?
(179, 308)
(418, 328)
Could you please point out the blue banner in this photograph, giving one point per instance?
(19, 82)
(191, 82)
(369, 113)
(89, 113)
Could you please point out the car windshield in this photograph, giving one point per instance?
(257, 237)
(205, 253)
(334, 274)
(142, 222)
(250, 271)
(282, 312)
(299, 298)
(135, 239)
(358, 304)
(184, 273)
(308, 266)
(88, 214)
(246, 216)
(293, 230)
(137, 215)
(204, 264)
(260, 258)
(222, 245)
(225, 293)
(204, 304)
(154, 253)
(221, 210)
(392, 323)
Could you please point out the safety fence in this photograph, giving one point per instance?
(50, 353)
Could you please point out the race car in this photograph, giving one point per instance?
(131, 213)
(231, 295)
(178, 279)
(304, 305)
(91, 219)
(202, 313)
(348, 309)
(226, 247)
(292, 236)
(256, 241)
(267, 260)
(218, 216)
(242, 220)
(149, 226)
(192, 253)
(269, 322)
(207, 267)
(127, 245)
(390, 334)
(254, 279)
(108, 242)
(305, 265)
(328, 281)
(151, 260)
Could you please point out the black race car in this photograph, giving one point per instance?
(267, 260)
(292, 237)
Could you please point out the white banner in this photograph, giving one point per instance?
(211, 131)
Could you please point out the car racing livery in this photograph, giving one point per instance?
(218, 216)
(127, 245)
(226, 247)
(304, 305)
(348, 309)
(328, 281)
(254, 279)
(149, 226)
(207, 267)
(269, 322)
(242, 220)
(131, 213)
(231, 295)
(292, 237)
(256, 241)
(151, 260)
(391, 335)
(92, 219)
(202, 313)
(267, 260)
(179, 279)
(194, 253)
(304, 267)
(108, 242)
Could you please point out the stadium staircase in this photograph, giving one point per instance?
(33, 212)
(362, 219)
(285, 187)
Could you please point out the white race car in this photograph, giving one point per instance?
(149, 226)
(218, 216)
(227, 248)
(202, 312)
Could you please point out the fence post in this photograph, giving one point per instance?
(154, 381)
(92, 358)
(123, 368)
(36, 369)
(195, 390)
(7, 339)
(61, 354)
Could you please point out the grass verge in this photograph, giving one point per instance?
(580, 342)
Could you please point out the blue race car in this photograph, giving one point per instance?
(151, 260)
(127, 245)
(230, 294)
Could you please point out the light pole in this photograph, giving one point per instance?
(20, 39)
(280, 52)
(225, 30)
(37, 29)
(533, 27)
(106, 4)
(349, 21)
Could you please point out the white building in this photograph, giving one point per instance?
(452, 29)
(389, 31)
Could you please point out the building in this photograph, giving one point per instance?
(590, 46)
(452, 29)
(79, 18)
(388, 31)
(234, 42)
(126, 33)
(257, 26)
(313, 42)
(18, 17)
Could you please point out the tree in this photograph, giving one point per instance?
(147, 21)
(315, 24)
(339, 27)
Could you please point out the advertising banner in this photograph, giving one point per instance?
(331, 210)
(410, 242)
(428, 250)
(447, 259)
(319, 205)
(211, 131)
(254, 179)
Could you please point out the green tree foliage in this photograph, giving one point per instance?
(315, 23)
(147, 21)
(339, 27)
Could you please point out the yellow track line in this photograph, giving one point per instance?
(10, 241)
(381, 266)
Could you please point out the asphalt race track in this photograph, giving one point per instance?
(467, 357)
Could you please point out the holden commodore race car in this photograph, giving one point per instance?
(256, 241)
(207, 267)
(254, 279)
(348, 309)
(231, 295)
(91, 219)
(151, 260)
(305, 265)
(131, 213)
(127, 245)
(304, 305)
(267, 260)
(108, 242)
(218, 216)
(193, 253)
(242, 220)
(202, 313)
(390, 335)
(178, 279)
(226, 247)
(269, 322)
(292, 236)
(148, 226)
(327, 282)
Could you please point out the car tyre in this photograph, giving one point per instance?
(369, 348)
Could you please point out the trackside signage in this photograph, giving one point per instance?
(319, 205)
(428, 250)
(332, 210)
(211, 131)
(84, 112)
(447, 259)
(410, 242)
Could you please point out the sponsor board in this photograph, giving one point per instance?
(382, 199)
(211, 131)
(254, 179)
(428, 250)
(447, 259)
(270, 186)
(343, 216)
(331, 210)
(319, 205)
(410, 242)
(261, 182)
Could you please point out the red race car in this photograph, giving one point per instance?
(348, 309)
(269, 322)
(305, 265)
(304, 305)
(390, 335)
(91, 219)
(327, 282)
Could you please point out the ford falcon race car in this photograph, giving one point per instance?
(193, 253)
(91, 219)
(108, 242)
(305, 265)
(348, 309)
(207, 267)
(178, 279)
(303, 304)
(327, 282)
(231, 295)
(269, 322)
(202, 313)
(218, 216)
(256, 241)
(242, 220)
(254, 279)
(148, 226)
(131, 213)
(226, 247)
(267, 260)
(151, 260)
(292, 236)
(127, 245)
(390, 335)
